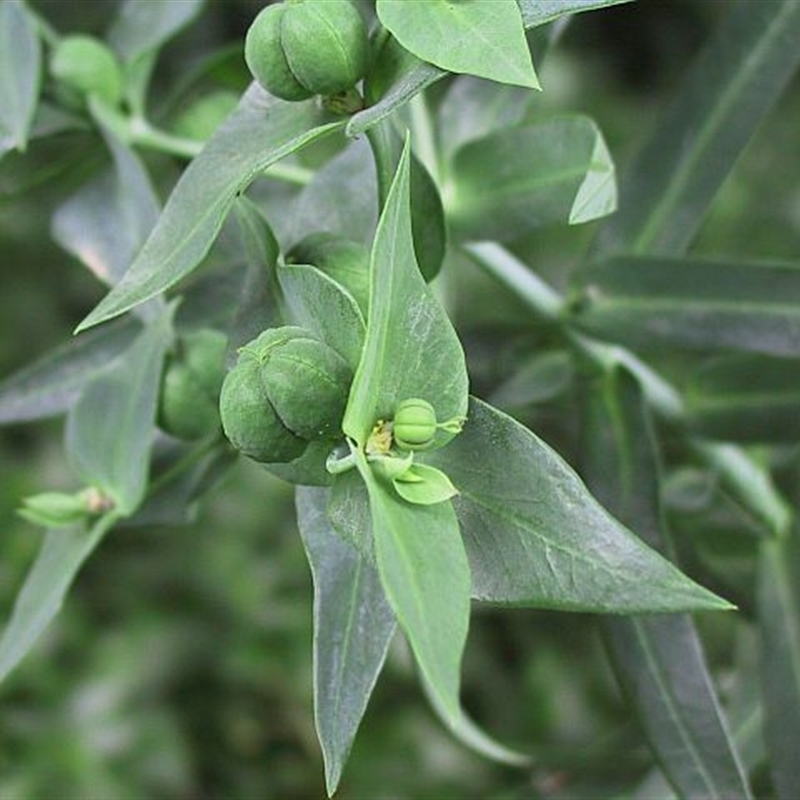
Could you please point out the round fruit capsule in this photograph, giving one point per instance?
(414, 425)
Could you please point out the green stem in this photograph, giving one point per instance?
(386, 152)
(185, 463)
(137, 131)
(424, 135)
(748, 482)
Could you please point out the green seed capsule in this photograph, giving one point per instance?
(307, 47)
(86, 64)
(249, 420)
(415, 424)
(265, 58)
(189, 401)
(286, 388)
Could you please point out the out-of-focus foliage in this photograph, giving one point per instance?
(181, 665)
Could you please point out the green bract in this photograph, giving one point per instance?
(414, 424)
(307, 47)
(344, 260)
(189, 402)
(86, 64)
(286, 390)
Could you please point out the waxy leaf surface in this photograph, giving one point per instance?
(105, 223)
(516, 180)
(109, 429)
(61, 555)
(260, 132)
(746, 398)
(644, 301)
(50, 385)
(411, 349)
(658, 660)
(353, 626)
(537, 537)
(482, 37)
(741, 72)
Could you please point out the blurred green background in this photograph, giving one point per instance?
(181, 664)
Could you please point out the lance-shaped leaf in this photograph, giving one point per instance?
(353, 626)
(406, 76)
(746, 398)
(692, 302)
(62, 553)
(425, 574)
(658, 660)
(109, 430)
(735, 81)
(105, 223)
(537, 537)
(483, 37)
(779, 622)
(260, 132)
(20, 71)
(519, 179)
(411, 349)
(52, 383)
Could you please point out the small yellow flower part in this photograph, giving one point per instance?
(380, 439)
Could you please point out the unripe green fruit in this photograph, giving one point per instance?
(414, 425)
(345, 260)
(286, 390)
(306, 47)
(189, 401)
(249, 420)
(86, 64)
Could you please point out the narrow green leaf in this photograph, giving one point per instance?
(62, 553)
(142, 28)
(539, 12)
(779, 622)
(658, 660)
(746, 398)
(109, 429)
(483, 37)
(536, 537)
(732, 86)
(105, 223)
(425, 574)
(427, 212)
(260, 132)
(646, 301)
(319, 304)
(50, 385)
(353, 627)
(411, 349)
(516, 180)
(20, 71)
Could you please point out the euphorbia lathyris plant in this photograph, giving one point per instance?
(338, 367)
